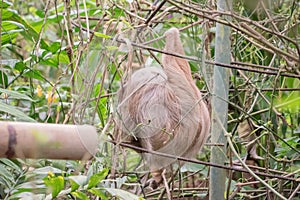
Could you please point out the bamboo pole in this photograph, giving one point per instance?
(220, 106)
(51, 141)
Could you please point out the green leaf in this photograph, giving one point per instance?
(96, 178)
(10, 30)
(11, 25)
(62, 58)
(99, 192)
(5, 4)
(12, 164)
(15, 112)
(6, 14)
(77, 181)
(291, 102)
(101, 109)
(20, 66)
(40, 13)
(6, 177)
(15, 94)
(102, 35)
(34, 74)
(56, 184)
(30, 33)
(80, 195)
(3, 79)
(9, 37)
(74, 185)
(50, 62)
(54, 47)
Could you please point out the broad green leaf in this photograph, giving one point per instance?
(80, 195)
(77, 181)
(50, 62)
(8, 37)
(11, 164)
(34, 74)
(20, 66)
(6, 14)
(61, 58)
(56, 184)
(6, 177)
(291, 102)
(96, 178)
(54, 47)
(5, 4)
(40, 13)
(99, 192)
(29, 33)
(11, 25)
(15, 112)
(15, 94)
(74, 185)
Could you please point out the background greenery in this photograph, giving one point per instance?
(63, 61)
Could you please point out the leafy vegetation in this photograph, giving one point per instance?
(63, 61)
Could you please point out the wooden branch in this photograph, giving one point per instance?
(235, 168)
(51, 141)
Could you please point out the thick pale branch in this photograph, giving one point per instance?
(50, 141)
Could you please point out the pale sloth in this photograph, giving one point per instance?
(162, 109)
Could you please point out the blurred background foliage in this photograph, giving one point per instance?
(63, 62)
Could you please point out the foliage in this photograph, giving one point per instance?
(63, 61)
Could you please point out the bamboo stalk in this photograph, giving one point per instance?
(51, 141)
(217, 183)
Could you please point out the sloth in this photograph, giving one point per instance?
(161, 109)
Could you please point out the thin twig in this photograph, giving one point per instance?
(155, 11)
(211, 62)
(199, 161)
(242, 27)
(294, 193)
(246, 166)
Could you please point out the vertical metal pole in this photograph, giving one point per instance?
(220, 106)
